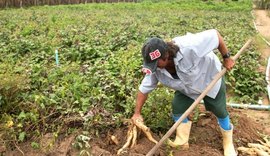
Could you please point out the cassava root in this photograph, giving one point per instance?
(132, 134)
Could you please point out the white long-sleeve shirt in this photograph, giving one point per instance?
(195, 64)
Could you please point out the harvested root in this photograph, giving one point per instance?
(259, 146)
(260, 149)
(246, 150)
(134, 138)
(261, 152)
(133, 133)
(129, 138)
(141, 125)
(115, 140)
(146, 130)
(267, 142)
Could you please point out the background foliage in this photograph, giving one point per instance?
(262, 4)
(100, 63)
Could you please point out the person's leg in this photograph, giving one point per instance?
(218, 107)
(180, 104)
(225, 123)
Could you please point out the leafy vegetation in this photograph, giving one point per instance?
(100, 63)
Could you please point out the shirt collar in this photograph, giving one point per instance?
(164, 71)
(178, 57)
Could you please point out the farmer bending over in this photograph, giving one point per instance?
(188, 64)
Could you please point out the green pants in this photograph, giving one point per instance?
(217, 106)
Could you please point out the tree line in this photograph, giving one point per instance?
(26, 3)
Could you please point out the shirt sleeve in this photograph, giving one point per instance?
(205, 42)
(148, 84)
(200, 43)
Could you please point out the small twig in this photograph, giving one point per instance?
(4, 141)
(39, 120)
(18, 148)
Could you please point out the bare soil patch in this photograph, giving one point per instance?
(263, 22)
(205, 138)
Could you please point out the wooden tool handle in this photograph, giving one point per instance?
(196, 102)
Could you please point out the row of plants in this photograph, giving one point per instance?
(96, 82)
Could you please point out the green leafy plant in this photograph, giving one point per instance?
(35, 145)
(82, 142)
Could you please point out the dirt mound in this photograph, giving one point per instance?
(205, 139)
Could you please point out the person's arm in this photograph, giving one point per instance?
(141, 98)
(228, 62)
(148, 84)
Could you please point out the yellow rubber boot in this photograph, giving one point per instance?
(228, 142)
(182, 136)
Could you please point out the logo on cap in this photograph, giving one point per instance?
(146, 71)
(155, 54)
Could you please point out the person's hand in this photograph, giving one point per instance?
(228, 63)
(135, 124)
(137, 117)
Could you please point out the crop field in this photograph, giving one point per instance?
(94, 85)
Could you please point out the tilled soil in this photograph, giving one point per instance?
(205, 139)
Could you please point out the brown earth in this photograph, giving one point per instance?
(205, 138)
(262, 22)
(262, 25)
